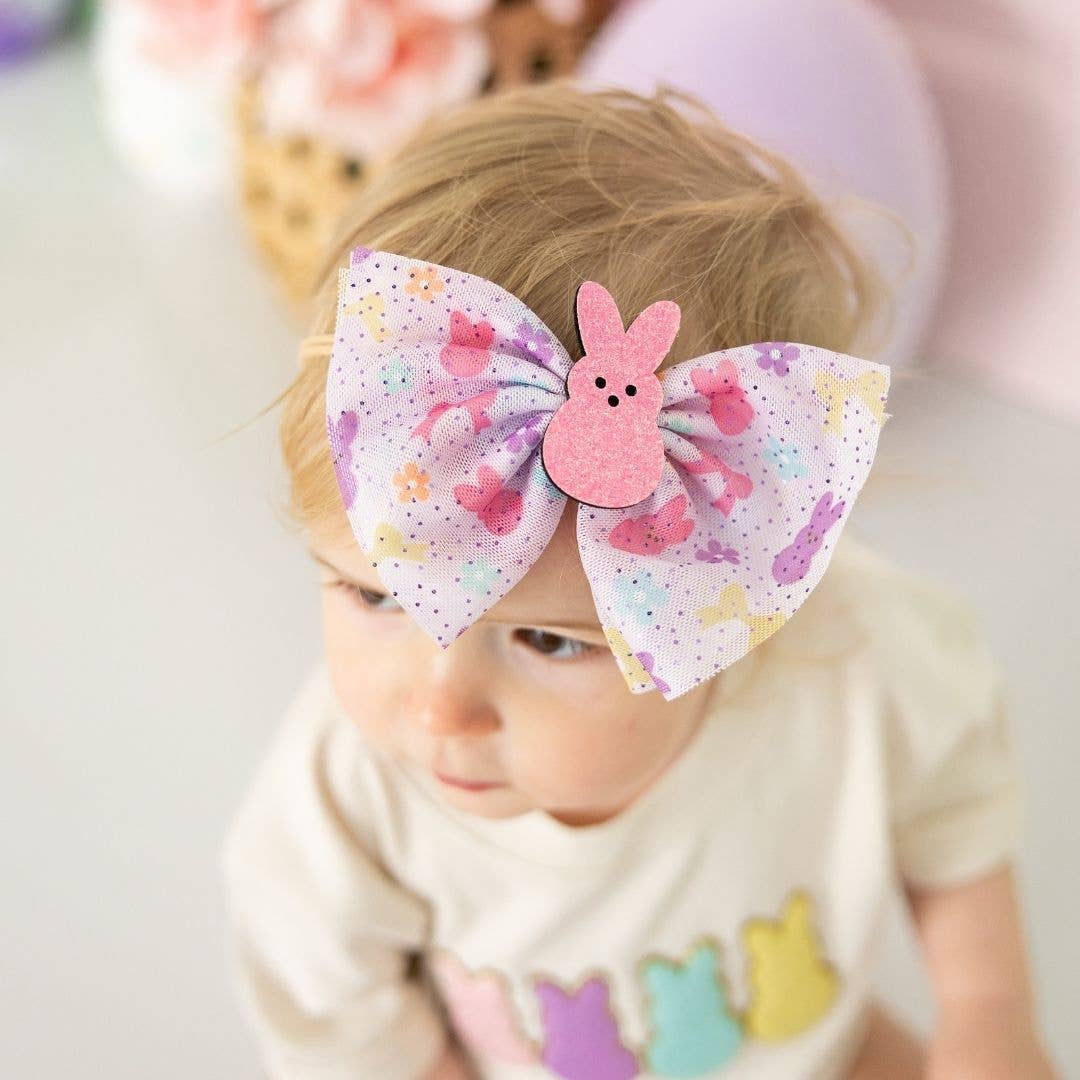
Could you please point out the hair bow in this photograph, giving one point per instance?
(711, 494)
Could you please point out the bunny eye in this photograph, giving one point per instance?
(601, 382)
(631, 390)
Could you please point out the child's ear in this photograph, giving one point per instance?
(652, 334)
(599, 322)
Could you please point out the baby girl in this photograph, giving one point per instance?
(622, 742)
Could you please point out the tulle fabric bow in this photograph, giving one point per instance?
(440, 390)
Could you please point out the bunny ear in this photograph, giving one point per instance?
(599, 322)
(652, 334)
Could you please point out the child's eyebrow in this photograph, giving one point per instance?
(590, 627)
(325, 563)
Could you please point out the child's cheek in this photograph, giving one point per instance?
(362, 668)
(578, 761)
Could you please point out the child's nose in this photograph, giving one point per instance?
(451, 697)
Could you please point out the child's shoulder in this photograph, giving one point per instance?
(924, 640)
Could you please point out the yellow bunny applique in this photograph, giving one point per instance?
(791, 985)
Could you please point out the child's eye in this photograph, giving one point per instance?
(555, 645)
(367, 598)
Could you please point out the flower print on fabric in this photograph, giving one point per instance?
(412, 483)
(777, 355)
(742, 541)
(425, 283)
(478, 575)
(651, 533)
(498, 508)
(470, 343)
(534, 341)
(636, 596)
(715, 552)
(786, 458)
(396, 376)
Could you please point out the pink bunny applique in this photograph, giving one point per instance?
(469, 350)
(793, 562)
(603, 446)
(499, 509)
(651, 533)
(731, 412)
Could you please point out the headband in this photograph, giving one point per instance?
(710, 495)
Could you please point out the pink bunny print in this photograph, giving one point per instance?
(468, 352)
(651, 533)
(737, 485)
(603, 446)
(499, 509)
(731, 412)
(794, 561)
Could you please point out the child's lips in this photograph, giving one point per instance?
(467, 785)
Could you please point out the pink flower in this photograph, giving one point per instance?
(363, 73)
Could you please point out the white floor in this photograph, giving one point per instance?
(155, 614)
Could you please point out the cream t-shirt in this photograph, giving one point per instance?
(723, 925)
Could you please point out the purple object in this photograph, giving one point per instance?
(830, 84)
(25, 28)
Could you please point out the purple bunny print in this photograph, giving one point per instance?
(794, 561)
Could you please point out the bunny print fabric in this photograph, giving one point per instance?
(440, 392)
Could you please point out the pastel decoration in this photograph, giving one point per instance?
(870, 388)
(602, 446)
(792, 986)
(732, 607)
(452, 472)
(695, 1029)
(480, 1008)
(581, 1036)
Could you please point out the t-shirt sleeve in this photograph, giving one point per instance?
(954, 789)
(319, 934)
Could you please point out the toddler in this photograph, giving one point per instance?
(603, 774)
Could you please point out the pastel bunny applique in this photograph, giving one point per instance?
(603, 446)
(470, 343)
(499, 509)
(793, 562)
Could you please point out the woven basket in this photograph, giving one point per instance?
(294, 189)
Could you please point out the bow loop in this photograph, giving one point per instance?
(440, 392)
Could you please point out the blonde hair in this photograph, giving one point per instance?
(541, 188)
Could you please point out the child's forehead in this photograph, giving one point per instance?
(554, 589)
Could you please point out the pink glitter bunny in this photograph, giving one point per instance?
(603, 446)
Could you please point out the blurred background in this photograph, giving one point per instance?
(169, 170)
